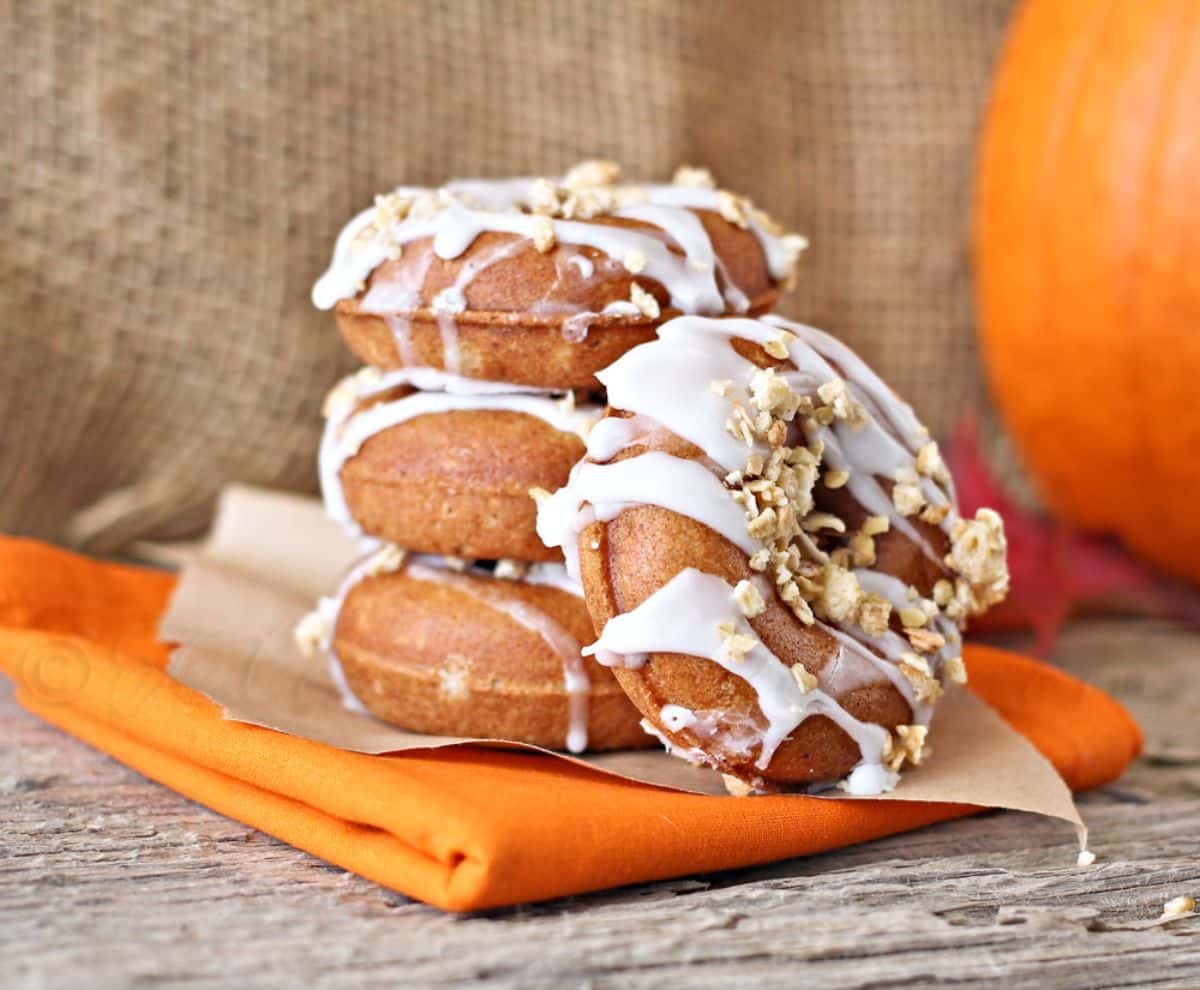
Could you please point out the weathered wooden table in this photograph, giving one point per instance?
(107, 879)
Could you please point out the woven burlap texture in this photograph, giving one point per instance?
(177, 173)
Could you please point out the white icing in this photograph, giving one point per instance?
(330, 609)
(401, 327)
(870, 779)
(582, 264)
(689, 278)
(682, 617)
(653, 478)
(453, 300)
(554, 575)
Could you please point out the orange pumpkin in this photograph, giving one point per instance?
(1088, 264)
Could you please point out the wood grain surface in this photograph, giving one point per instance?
(109, 880)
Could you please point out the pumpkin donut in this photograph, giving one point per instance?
(446, 469)
(440, 647)
(772, 555)
(542, 282)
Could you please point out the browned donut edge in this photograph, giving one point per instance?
(457, 482)
(508, 347)
(430, 658)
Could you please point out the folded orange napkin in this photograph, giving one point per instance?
(466, 827)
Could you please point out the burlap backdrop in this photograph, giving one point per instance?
(176, 173)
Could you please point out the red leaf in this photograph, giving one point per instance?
(1056, 571)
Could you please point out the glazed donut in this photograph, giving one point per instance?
(542, 282)
(772, 554)
(446, 469)
(446, 648)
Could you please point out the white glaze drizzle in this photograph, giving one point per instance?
(401, 327)
(453, 300)
(667, 384)
(653, 478)
(680, 617)
(669, 380)
(500, 206)
(347, 430)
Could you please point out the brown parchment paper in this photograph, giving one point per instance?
(271, 555)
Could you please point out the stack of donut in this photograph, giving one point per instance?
(483, 312)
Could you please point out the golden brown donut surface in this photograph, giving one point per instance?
(468, 654)
(447, 473)
(772, 555)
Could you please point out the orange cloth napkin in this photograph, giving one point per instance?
(461, 828)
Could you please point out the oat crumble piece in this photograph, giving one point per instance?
(694, 177)
(806, 681)
(634, 261)
(749, 599)
(543, 234)
(646, 303)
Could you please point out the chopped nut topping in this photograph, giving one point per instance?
(912, 739)
(736, 644)
(874, 613)
(732, 208)
(977, 552)
(916, 670)
(911, 616)
(943, 592)
(908, 499)
(841, 595)
(777, 347)
(385, 560)
(935, 514)
(543, 197)
(459, 564)
(925, 640)
(875, 526)
(862, 550)
(836, 395)
(721, 388)
(735, 786)
(836, 479)
(806, 681)
(543, 234)
(646, 303)
(815, 521)
(749, 599)
(770, 392)
(634, 260)
(693, 177)
(763, 524)
(591, 173)
(954, 670)
(929, 462)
